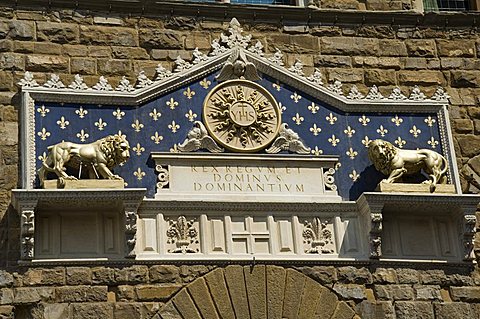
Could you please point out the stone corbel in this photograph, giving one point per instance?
(468, 222)
(130, 212)
(27, 229)
(373, 218)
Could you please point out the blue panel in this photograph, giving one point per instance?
(322, 127)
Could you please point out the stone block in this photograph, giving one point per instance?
(129, 53)
(350, 274)
(380, 77)
(343, 311)
(168, 312)
(345, 75)
(181, 23)
(164, 273)
(47, 48)
(305, 44)
(75, 50)
(156, 292)
(190, 273)
(99, 52)
(83, 66)
(131, 310)
(421, 77)
(160, 39)
(394, 292)
(327, 306)
(28, 295)
(433, 277)
(6, 296)
(201, 296)
(6, 279)
(323, 274)
(465, 78)
(218, 289)
(186, 307)
(12, 61)
(134, 274)
(342, 4)
(21, 30)
(238, 294)
(100, 35)
(4, 29)
(458, 279)
(385, 276)
(55, 311)
(381, 62)
(430, 292)
(6, 45)
(103, 276)
(468, 294)
(92, 311)
(46, 63)
(413, 309)
(125, 293)
(376, 310)
(449, 310)
(421, 48)
(200, 40)
(388, 47)
(332, 61)
(350, 291)
(327, 31)
(294, 286)
(349, 46)
(44, 277)
(57, 32)
(6, 312)
(462, 126)
(456, 48)
(78, 276)
(81, 293)
(114, 67)
(312, 293)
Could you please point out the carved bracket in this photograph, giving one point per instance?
(130, 231)
(469, 222)
(329, 179)
(163, 176)
(318, 236)
(375, 235)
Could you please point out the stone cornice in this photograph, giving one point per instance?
(257, 13)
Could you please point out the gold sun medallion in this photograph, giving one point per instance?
(241, 116)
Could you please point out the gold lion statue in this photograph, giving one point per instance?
(97, 158)
(395, 162)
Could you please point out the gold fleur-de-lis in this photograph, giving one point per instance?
(43, 157)
(173, 127)
(44, 134)
(354, 175)
(334, 140)
(430, 121)
(316, 151)
(313, 108)
(174, 149)
(189, 93)
(295, 97)
(172, 103)
(137, 126)
(400, 143)
(315, 130)
(190, 115)
(139, 174)
(298, 119)
(397, 120)
(155, 115)
(415, 131)
(119, 114)
(382, 131)
(276, 86)
(432, 142)
(205, 83)
(81, 112)
(351, 153)
(100, 124)
(121, 134)
(63, 123)
(83, 135)
(282, 107)
(43, 110)
(331, 119)
(156, 138)
(138, 149)
(366, 141)
(364, 120)
(349, 131)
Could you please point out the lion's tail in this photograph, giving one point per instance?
(443, 172)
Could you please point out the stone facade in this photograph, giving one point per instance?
(428, 53)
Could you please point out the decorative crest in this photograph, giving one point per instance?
(28, 80)
(316, 234)
(316, 77)
(336, 87)
(235, 37)
(397, 95)
(199, 57)
(102, 85)
(125, 86)
(182, 233)
(297, 68)
(355, 94)
(257, 48)
(237, 66)
(78, 83)
(197, 138)
(374, 94)
(416, 94)
(440, 95)
(181, 65)
(143, 81)
(54, 82)
(161, 73)
(288, 140)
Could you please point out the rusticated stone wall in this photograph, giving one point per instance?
(253, 291)
(67, 42)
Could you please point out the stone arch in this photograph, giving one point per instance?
(258, 292)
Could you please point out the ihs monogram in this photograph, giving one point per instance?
(241, 115)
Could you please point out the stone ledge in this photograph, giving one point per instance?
(414, 188)
(85, 184)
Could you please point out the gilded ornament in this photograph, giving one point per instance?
(197, 138)
(241, 116)
(156, 138)
(288, 140)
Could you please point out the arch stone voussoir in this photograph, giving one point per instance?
(258, 292)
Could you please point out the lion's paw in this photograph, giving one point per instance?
(116, 177)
